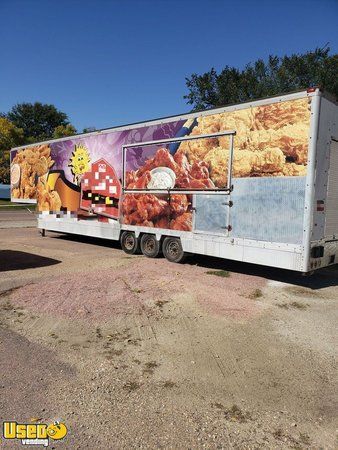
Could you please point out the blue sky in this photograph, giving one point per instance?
(107, 63)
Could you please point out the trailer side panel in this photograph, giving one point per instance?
(79, 182)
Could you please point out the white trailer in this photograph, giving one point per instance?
(255, 182)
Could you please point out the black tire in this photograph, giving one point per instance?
(172, 250)
(150, 246)
(129, 243)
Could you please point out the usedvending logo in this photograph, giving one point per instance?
(34, 433)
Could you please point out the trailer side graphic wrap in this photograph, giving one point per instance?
(271, 141)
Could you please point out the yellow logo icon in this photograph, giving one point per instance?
(34, 433)
(79, 162)
(57, 430)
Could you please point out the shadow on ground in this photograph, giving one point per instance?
(322, 278)
(15, 260)
(85, 240)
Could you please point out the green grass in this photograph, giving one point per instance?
(219, 273)
(257, 293)
(295, 305)
(8, 205)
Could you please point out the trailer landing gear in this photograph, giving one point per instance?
(172, 250)
(150, 246)
(129, 242)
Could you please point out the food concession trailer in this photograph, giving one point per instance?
(254, 182)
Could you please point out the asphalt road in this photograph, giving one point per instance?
(17, 218)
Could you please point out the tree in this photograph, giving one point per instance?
(37, 120)
(10, 136)
(88, 130)
(64, 130)
(264, 79)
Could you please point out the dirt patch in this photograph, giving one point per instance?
(140, 353)
(130, 289)
(34, 395)
(298, 291)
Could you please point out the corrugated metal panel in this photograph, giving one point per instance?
(265, 209)
(331, 222)
(211, 213)
(268, 209)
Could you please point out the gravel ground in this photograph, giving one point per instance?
(138, 353)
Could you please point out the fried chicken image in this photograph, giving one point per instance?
(164, 211)
(130, 204)
(280, 114)
(186, 174)
(140, 183)
(162, 158)
(132, 219)
(294, 170)
(271, 141)
(245, 163)
(178, 204)
(48, 199)
(150, 207)
(162, 222)
(266, 130)
(200, 170)
(183, 163)
(240, 121)
(34, 162)
(293, 141)
(183, 222)
(197, 149)
(145, 210)
(131, 178)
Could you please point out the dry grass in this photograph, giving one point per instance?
(169, 384)
(294, 305)
(219, 273)
(161, 303)
(257, 293)
(98, 333)
(131, 386)
(151, 365)
(7, 306)
(235, 414)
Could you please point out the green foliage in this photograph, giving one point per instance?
(37, 120)
(264, 79)
(88, 130)
(10, 136)
(64, 130)
(27, 123)
(4, 167)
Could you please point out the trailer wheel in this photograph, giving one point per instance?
(172, 250)
(150, 246)
(129, 242)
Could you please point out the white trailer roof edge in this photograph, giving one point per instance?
(233, 107)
